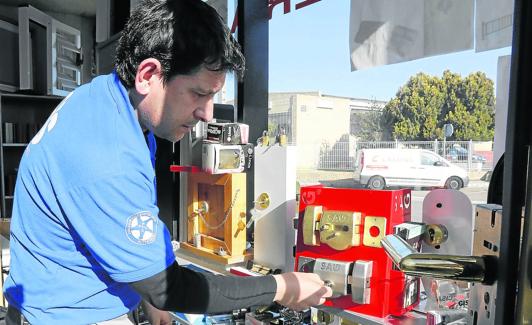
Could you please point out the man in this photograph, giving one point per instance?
(86, 240)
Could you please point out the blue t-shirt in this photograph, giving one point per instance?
(85, 220)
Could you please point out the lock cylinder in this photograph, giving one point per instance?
(435, 235)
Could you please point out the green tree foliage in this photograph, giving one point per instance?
(369, 126)
(425, 103)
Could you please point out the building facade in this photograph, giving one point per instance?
(314, 121)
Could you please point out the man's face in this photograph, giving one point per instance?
(172, 110)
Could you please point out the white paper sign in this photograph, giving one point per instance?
(391, 31)
(494, 24)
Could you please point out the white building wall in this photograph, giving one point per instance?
(319, 120)
(281, 102)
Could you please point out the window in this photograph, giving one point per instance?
(428, 159)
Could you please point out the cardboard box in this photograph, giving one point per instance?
(228, 133)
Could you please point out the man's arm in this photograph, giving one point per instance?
(181, 289)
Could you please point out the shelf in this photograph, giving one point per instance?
(14, 144)
(27, 113)
(30, 96)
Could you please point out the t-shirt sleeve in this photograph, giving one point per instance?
(116, 219)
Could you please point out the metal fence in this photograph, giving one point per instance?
(339, 156)
(470, 155)
(281, 122)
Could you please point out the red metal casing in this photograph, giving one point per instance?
(388, 286)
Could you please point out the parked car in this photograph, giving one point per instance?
(380, 168)
(458, 153)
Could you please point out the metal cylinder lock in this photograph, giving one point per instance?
(435, 235)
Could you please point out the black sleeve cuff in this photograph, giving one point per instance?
(183, 290)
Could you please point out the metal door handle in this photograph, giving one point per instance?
(466, 268)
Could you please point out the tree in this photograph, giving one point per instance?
(474, 119)
(368, 125)
(425, 103)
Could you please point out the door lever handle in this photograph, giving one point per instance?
(466, 268)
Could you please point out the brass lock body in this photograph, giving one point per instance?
(310, 224)
(338, 229)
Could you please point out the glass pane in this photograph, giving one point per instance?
(336, 91)
(359, 85)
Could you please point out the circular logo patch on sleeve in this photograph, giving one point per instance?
(141, 228)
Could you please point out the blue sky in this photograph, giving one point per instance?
(309, 51)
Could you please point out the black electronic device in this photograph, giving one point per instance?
(225, 113)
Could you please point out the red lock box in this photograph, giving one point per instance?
(339, 233)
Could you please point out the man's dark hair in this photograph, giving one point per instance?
(184, 35)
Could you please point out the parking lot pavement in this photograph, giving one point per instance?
(476, 184)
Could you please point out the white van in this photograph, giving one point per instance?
(379, 168)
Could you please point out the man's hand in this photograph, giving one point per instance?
(156, 316)
(299, 291)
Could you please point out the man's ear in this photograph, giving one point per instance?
(149, 74)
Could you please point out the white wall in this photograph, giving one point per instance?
(319, 119)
